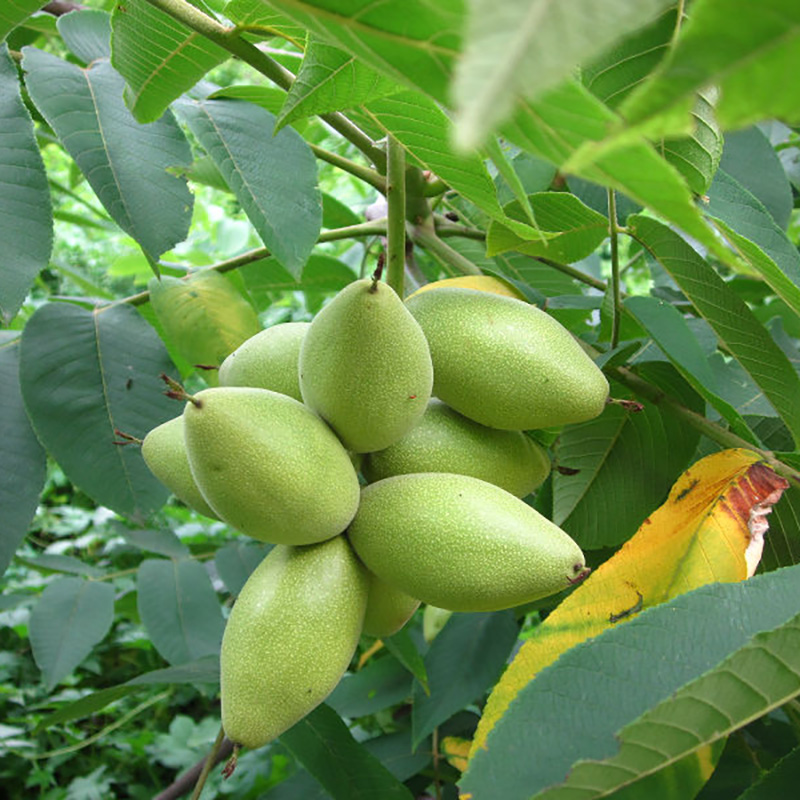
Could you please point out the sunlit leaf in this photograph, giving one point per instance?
(159, 57)
(425, 131)
(739, 46)
(12, 12)
(710, 529)
(412, 41)
(331, 79)
(203, 316)
(573, 230)
(521, 48)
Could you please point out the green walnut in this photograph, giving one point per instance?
(268, 466)
(461, 543)
(268, 360)
(290, 638)
(164, 452)
(505, 363)
(446, 441)
(365, 366)
(388, 609)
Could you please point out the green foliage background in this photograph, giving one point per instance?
(632, 167)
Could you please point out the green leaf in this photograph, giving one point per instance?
(414, 42)
(23, 473)
(383, 682)
(331, 79)
(425, 131)
(159, 57)
(71, 617)
(631, 668)
(522, 48)
(697, 155)
(335, 214)
(85, 374)
(321, 274)
(626, 464)
(542, 277)
(733, 322)
(57, 562)
(671, 333)
(236, 561)
(179, 609)
(203, 670)
(403, 648)
(614, 74)
(13, 12)
(256, 17)
(273, 177)
(756, 237)
(750, 158)
(163, 542)
(736, 45)
(780, 781)
(569, 120)
(322, 743)
(465, 659)
(26, 223)
(87, 33)
(782, 546)
(574, 230)
(124, 162)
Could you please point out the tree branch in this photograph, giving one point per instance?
(184, 784)
(58, 8)
(230, 40)
(396, 220)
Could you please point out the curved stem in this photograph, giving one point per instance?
(374, 228)
(708, 428)
(396, 219)
(230, 39)
(426, 237)
(366, 174)
(208, 764)
(613, 232)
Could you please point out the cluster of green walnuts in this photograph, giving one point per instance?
(325, 439)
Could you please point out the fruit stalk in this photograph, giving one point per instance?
(396, 222)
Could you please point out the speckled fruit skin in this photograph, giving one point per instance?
(505, 363)
(268, 360)
(483, 283)
(365, 367)
(388, 609)
(460, 543)
(164, 453)
(268, 466)
(290, 638)
(446, 441)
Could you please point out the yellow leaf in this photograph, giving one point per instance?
(455, 750)
(710, 529)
